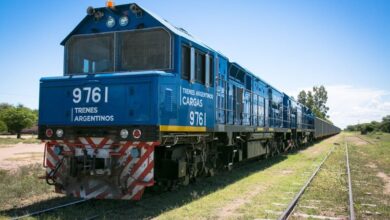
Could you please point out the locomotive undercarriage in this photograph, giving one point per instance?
(104, 168)
(182, 158)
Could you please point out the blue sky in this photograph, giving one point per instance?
(344, 45)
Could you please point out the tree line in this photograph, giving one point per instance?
(374, 126)
(13, 119)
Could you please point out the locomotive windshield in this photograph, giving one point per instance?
(91, 54)
(118, 52)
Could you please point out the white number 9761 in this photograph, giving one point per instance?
(90, 94)
(198, 118)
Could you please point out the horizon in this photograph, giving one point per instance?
(342, 45)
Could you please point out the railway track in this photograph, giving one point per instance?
(43, 211)
(147, 197)
(288, 212)
(350, 196)
(294, 202)
(363, 139)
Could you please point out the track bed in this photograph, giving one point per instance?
(263, 189)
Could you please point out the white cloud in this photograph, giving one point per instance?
(352, 105)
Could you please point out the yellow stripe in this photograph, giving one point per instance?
(182, 128)
(260, 129)
(271, 129)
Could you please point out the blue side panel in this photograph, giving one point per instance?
(293, 115)
(308, 118)
(275, 108)
(261, 101)
(286, 111)
(299, 116)
(99, 100)
(168, 101)
(196, 105)
(223, 116)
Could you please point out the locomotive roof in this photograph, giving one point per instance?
(176, 30)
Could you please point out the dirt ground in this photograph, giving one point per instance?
(16, 155)
(23, 136)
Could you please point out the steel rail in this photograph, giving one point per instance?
(294, 202)
(350, 196)
(50, 209)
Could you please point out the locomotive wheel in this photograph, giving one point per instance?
(185, 180)
(267, 151)
(274, 149)
(211, 172)
(299, 142)
(286, 146)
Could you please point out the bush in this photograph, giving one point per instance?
(373, 126)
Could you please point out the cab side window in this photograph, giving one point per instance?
(185, 62)
(200, 67)
(197, 66)
(211, 73)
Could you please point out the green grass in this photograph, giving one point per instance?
(21, 185)
(367, 161)
(10, 141)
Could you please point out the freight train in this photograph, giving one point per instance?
(144, 103)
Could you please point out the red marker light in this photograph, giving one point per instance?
(49, 132)
(137, 133)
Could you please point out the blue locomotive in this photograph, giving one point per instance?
(144, 103)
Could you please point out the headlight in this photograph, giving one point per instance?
(110, 22)
(124, 133)
(124, 21)
(59, 133)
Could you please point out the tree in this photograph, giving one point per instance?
(315, 100)
(302, 97)
(320, 98)
(310, 100)
(385, 124)
(3, 126)
(18, 118)
(4, 106)
(351, 128)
